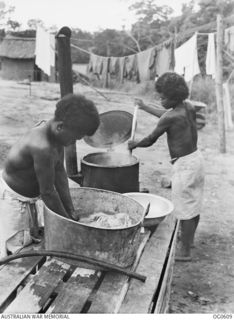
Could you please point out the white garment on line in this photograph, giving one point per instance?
(210, 56)
(45, 50)
(229, 39)
(186, 59)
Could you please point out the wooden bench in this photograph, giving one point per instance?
(48, 285)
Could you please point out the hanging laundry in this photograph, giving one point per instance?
(131, 67)
(186, 59)
(122, 68)
(45, 50)
(145, 61)
(165, 59)
(114, 66)
(105, 67)
(95, 65)
(229, 39)
(210, 56)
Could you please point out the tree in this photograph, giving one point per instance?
(151, 26)
(13, 25)
(33, 23)
(5, 12)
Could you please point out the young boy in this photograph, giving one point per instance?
(179, 122)
(35, 167)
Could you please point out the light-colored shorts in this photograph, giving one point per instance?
(188, 185)
(16, 219)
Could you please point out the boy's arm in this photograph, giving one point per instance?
(62, 186)
(154, 110)
(161, 128)
(45, 172)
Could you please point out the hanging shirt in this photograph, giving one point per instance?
(229, 39)
(114, 66)
(145, 61)
(44, 50)
(122, 68)
(186, 59)
(164, 59)
(210, 56)
(131, 67)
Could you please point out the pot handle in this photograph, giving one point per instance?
(145, 213)
(134, 123)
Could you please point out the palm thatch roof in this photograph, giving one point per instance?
(17, 48)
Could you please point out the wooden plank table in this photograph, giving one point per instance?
(48, 285)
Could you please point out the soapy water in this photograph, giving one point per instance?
(111, 159)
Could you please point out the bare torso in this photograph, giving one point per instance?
(182, 133)
(19, 170)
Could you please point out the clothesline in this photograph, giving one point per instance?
(171, 39)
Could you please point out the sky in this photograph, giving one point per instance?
(88, 15)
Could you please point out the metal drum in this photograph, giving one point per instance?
(111, 171)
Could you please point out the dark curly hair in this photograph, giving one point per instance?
(173, 86)
(77, 113)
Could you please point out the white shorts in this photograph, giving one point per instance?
(188, 185)
(16, 219)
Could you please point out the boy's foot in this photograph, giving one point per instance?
(182, 253)
(183, 258)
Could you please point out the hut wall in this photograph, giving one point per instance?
(17, 69)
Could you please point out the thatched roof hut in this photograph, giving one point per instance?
(18, 48)
(18, 59)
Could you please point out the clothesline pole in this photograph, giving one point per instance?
(219, 85)
(66, 86)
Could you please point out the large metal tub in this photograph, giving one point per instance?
(117, 246)
(111, 171)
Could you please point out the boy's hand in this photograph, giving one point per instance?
(132, 144)
(139, 103)
(75, 215)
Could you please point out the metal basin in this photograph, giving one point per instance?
(111, 171)
(117, 246)
(160, 207)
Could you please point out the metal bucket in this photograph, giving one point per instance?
(117, 246)
(111, 171)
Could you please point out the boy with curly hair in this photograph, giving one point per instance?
(35, 167)
(179, 122)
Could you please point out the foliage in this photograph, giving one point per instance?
(151, 26)
(33, 23)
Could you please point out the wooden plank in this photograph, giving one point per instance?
(12, 275)
(35, 294)
(114, 286)
(140, 295)
(163, 298)
(75, 292)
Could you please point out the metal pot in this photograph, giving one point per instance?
(117, 246)
(111, 171)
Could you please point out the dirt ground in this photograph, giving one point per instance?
(205, 285)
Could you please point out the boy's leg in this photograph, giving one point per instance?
(196, 221)
(188, 228)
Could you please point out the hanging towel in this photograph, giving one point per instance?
(131, 67)
(210, 56)
(229, 39)
(145, 61)
(114, 66)
(44, 50)
(186, 59)
(121, 68)
(164, 59)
